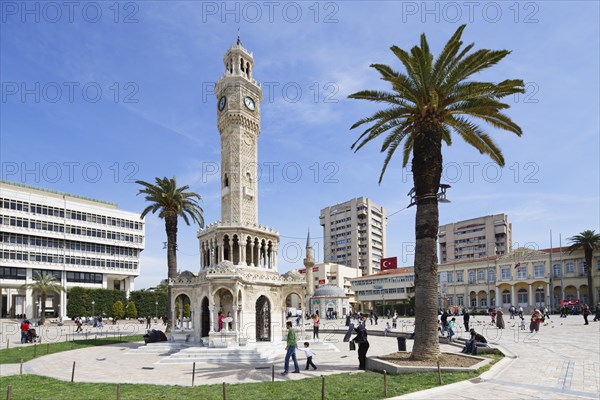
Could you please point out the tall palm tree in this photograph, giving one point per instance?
(588, 241)
(44, 284)
(171, 202)
(426, 104)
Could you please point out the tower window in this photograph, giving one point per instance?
(226, 181)
(248, 69)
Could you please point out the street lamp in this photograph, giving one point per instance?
(37, 313)
(93, 308)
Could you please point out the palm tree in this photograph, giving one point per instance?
(427, 103)
(171, 203)
(44, 284)
(589, 241)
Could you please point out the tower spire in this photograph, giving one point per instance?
(308, 239)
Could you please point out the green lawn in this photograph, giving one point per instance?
(367, 385)
(15, 354)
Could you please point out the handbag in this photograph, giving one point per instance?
(352, 346)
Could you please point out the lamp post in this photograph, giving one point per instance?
(540, 288)
(37, 313)
(93, 308)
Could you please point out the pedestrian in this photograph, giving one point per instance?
(499, 319)
(220, 318)
(585, 311)
(230, 323)
(466, 317)
(316, 323)
(444, 319)
(148, 322)
(451, 329)
(536, 318)
(563, 312)
(290, 347)
(387, 329)
(477, 340)
(522, 324)
(512, 311)
(546, 312)
(363, 345)
(24, 329)
(395, 320)
(376, 318)
(298, 319)
(520, 311)
(348, 319)
(78, 323)
(597, 316)
(494, 312)
(309, 356)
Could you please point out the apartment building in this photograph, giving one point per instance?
(475, 238)
(354, 234)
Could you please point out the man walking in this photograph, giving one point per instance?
(466, 318)
(292, 343)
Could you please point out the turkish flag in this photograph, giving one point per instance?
(388, 263)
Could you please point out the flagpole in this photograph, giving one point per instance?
(562, 289)
(551, 294)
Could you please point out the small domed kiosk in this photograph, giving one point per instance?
(329, 299)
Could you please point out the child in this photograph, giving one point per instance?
(522, 323)
(308, 352)
(451, 329)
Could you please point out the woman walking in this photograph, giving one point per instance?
(499, 319)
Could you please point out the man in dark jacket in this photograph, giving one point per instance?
(477, 340)
(466, 317)
(363, 344)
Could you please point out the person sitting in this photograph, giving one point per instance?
(387, 329)
(477, 340)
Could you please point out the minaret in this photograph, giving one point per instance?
(309, 263)
(238, 118)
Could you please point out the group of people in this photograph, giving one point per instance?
(292, 343)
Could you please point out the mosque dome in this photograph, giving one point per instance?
(329, 291)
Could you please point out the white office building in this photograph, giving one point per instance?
(81, 241)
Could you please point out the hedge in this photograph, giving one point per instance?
(79, 301)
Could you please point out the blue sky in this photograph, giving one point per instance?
(125, 91)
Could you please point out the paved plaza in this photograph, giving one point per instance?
(562, 361)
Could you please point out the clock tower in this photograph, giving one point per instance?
(238, 238)
(238, 115)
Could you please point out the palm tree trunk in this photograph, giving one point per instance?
(427, 170)
(171, 228)
(43, 316)
(590, 282)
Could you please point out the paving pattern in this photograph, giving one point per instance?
(562, 361)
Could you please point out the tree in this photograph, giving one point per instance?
(118, 311)
(171, 203)
(588, 241)
(44, 284)
(427, 103)
(131, 310)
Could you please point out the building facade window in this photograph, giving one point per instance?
(473, 302)
(521, 273)
(471, 276)
(557, 271)
(538, 271)
(582, 268)
(505, 274)
(569, 267)
(522, 296)
(506, 297)
(492, 275)
(460, 301)
(459, 274)
(481, 275)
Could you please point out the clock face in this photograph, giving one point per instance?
(222, 102)
(249, 102)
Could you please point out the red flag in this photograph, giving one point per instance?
(388, 263)
(517, 265)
